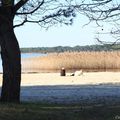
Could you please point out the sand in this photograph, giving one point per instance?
(88, 78)
(89, 88)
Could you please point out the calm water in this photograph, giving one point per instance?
(29, 55)
(24, 55)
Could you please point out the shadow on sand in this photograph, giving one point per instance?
(82, 94)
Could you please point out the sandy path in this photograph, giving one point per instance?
(89, 87)
(91, 78)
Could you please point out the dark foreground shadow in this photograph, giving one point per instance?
(68, 94)
(82, 94)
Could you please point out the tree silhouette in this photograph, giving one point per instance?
(15, 13)
(107, 11)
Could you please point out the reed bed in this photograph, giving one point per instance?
(74, 60)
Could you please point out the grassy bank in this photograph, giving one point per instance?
(74, 60)
(37, 111)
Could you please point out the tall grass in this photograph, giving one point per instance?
(74, 60)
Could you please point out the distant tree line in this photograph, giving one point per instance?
(77, 48)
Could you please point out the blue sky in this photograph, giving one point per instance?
(32, 35)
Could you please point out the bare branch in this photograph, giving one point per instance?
(108, 43)
(20, 4)
(32, 11)
(45, 13)
(100, 10)
(22, 23)
(51, 19)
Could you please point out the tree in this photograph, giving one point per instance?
(107, 11)
(15, 13)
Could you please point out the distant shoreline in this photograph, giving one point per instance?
(77, 48)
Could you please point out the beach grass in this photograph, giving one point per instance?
(74, 60)
(38, 111)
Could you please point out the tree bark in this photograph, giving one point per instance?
(11, 61)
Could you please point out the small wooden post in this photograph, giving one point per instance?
(62, 72)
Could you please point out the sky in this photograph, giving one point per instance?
(32, 35)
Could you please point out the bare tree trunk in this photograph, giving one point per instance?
(11, 62)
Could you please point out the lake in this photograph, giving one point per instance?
(24, 55)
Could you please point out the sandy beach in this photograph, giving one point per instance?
(89, 88)
(88, 78)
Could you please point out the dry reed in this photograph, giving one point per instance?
(74, 60)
